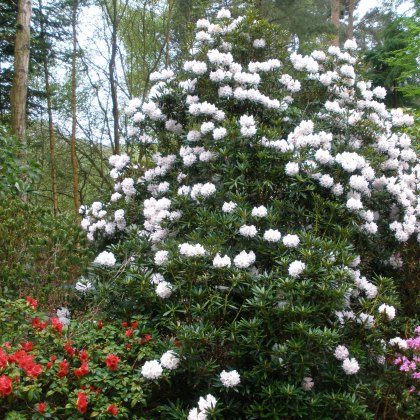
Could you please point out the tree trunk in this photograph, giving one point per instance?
(335, 20)
(19, 89)
(114, 95)
(351, 19)
(50, 121)
(73, 112)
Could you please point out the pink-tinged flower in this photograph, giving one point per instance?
(32, 302)
(112, 361)
(5, 385)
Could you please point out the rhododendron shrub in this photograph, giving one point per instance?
(90, 368)
(279, 192)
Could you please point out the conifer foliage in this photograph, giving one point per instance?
(270, 192)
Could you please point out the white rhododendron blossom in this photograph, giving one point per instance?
(230, 379)
(204, 405)
(296, 268)
(341, 352)
(164, 289)
(169, 360)
(106, 258)
(152, 369)
(388, 310)
(244, 259)
(220, 262)
(350, 366)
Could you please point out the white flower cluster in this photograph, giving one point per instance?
(363, 284)
(164, 75)
(296, 268)
(197, 67)
(106, 258)
(230, 379)
(221, 262)
(247, 124)
(350, 366)
(388, 310)
(244, 259)
(229, 207)
(248, 231)
(119, 162)
(189, 250)
(153, 369)
(204, 404)
(272, 235)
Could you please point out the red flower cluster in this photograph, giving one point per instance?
(82, 370)
(26, 362)
(82, 402)
(57, 325)
(112, 410)
(64, 368)
(41, 407)
(31, 301)
(39, 325)
(112, 361)
(146, 339)
(5, 385)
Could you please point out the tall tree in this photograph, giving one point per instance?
(115, 11)
(19, 90)
(74, 14)
(335, 20)
(350, 21)
(48, 94)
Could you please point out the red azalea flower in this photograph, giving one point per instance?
(128, 346)
(112, 361)
(134, 325)
(82, 370)
(41, 407)
(64, 368)
(82, 402)
(34, 371)
(31, 301)
(129, 332)
(146, 339)
(69, 350)
(57, 325)
(7, 345)
(38, 325)
(28, 346)
(53, 358)
(124, 324)
(112, 410)
(83, 356)
(5, 385)
(100, 324)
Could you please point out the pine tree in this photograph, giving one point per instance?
(258, 182)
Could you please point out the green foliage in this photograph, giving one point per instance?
(39, 254)
(31, 337)
(16, 176)
(275, 328)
